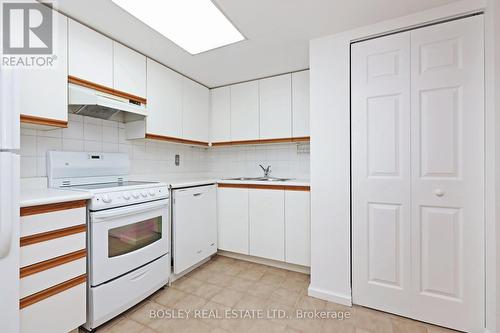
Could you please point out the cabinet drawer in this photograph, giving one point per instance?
(38, 252)
(67, 310)
(34, 283)
(38, 223)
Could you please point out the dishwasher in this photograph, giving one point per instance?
(194, 226)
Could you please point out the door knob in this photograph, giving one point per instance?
(439, 192)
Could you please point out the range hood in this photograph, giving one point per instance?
(92, 103)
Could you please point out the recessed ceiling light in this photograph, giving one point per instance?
(195, 25)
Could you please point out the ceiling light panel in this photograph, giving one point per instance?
(195, 25)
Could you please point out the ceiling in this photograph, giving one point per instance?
(277, 32)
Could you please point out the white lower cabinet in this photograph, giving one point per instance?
(267, 223)
(194, 226)
(298, 227)
(53, 267)
(232, 211)
(272, 223)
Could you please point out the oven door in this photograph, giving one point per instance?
(125, 238)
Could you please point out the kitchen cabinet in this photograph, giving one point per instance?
(220, 119)
(164, 96)
(245, 111)
(90, 55)
(297, 227)
(194, 226)
(129, 70)
(195, 111)
(267, 223)
(53, 267)
(232, 216)
(300, 104)
(275, 107)
(47, 88)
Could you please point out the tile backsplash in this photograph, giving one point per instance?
(150, 157)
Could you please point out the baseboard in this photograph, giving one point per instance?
(268, 262)
(329, 296)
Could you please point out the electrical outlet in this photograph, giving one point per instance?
(177, 159)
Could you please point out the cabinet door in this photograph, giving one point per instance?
(194, 226)
(298, 228)
(164, 96)
(267, 223)
(220, 114)
(245, 111)
(232, 217)
(195, 105)
(275, 107)
(129, 70)
(90, 55)
(47, 88)
(300, 104)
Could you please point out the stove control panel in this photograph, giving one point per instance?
(127, 197)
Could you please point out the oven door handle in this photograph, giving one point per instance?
(127, 211)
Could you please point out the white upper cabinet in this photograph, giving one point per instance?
(245, 111)
(129, 70)
(90, 55)
(220, 120)
(47, 88)
(164, 96)
(300, 104)
(275, 107)
(195, 111)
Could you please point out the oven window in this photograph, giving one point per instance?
(132, 237)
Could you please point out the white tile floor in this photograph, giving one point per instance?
(223, 286)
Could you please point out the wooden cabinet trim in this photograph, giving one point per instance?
(49, 292)
(297, 188)
(49, 235)
(27, 119)
(104, 89)
(263, 141)
(51, 263)
(54, 207)
(267, 187)
(174, 139)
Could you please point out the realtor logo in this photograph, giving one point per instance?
(27, 28)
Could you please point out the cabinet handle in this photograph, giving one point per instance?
(197, 194)
(212, 244)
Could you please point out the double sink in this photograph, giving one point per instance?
(260, 179)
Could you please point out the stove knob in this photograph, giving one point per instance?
(135, 195)
(126, 196)
(106, 198)
(152, 193)
(144, 194)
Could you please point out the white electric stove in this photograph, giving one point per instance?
(128, 230)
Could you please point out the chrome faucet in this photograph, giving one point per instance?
(267, 170)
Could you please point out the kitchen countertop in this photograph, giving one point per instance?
(207, 181)
(42, 196)
(192, 182)
(291, 182)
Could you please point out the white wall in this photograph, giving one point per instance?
(150, 159)
(286, 160)
(91, 134)
(330, 146)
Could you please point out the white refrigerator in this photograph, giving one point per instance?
(9, 202)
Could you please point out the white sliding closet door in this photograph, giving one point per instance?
(418, 173)
(381, 172)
